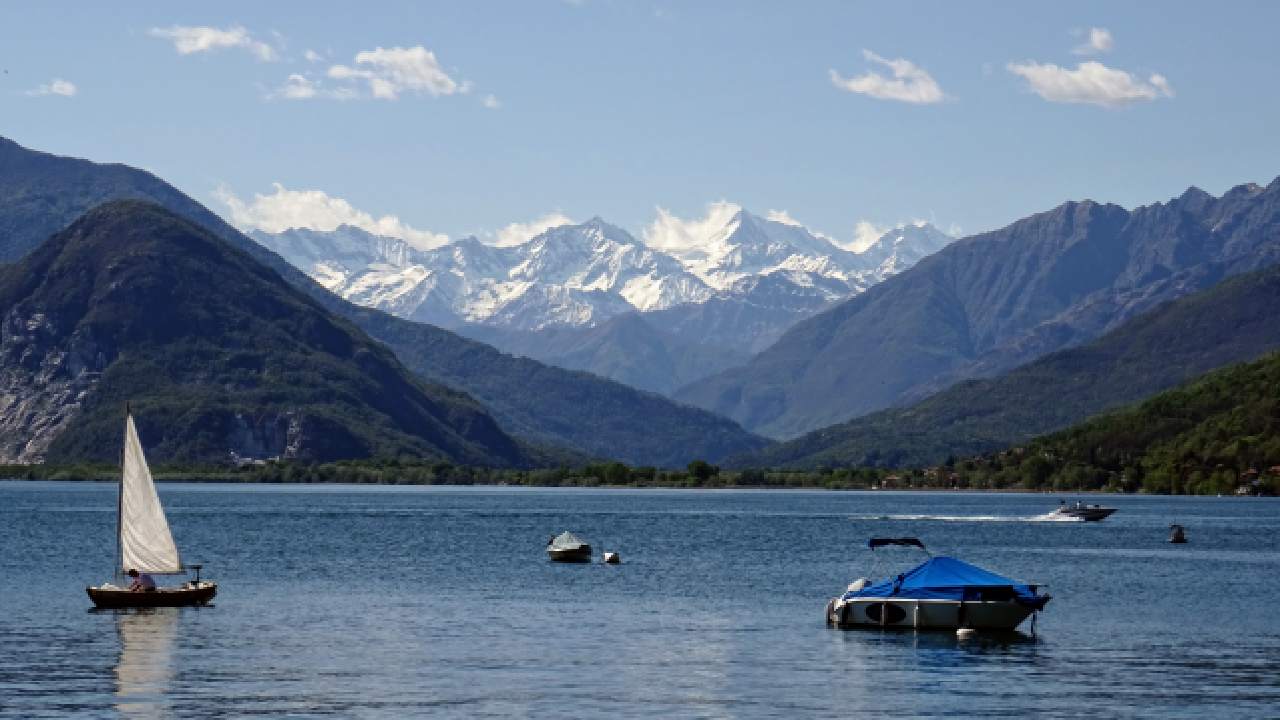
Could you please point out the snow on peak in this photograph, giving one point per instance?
(730, 243)
(583, 274)
(904, 246)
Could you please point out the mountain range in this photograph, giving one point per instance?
(1231, 322)
(704, 305)
(42, 193)
(220, 357)
(994, 301)
(991, 339)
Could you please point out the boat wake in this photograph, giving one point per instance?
(1047, 517)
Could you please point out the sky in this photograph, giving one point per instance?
(434, 121)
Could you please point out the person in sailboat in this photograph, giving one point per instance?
(142, 582)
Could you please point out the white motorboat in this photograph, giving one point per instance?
(941, 593)
(567, 547)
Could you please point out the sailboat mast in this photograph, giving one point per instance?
(119, 561)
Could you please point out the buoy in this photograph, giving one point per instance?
(966, 633)
(612, 558)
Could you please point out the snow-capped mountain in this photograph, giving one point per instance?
(903, 247)
(749, 246)
(739, 286)
(576, 275)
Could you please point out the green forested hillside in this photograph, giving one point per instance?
(1209, 436)
(1231, 322)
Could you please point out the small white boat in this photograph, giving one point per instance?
(144, 542)
(942, 593)
(567, 547)
(610, 558)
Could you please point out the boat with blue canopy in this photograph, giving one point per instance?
(939, 593)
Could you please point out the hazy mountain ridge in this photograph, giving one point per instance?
(993, 301)
(627, 348)
(1231, 322)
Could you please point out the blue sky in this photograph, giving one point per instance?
(475, 115)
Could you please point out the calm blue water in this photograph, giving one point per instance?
(395, 602)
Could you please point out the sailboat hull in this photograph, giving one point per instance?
(190, 594)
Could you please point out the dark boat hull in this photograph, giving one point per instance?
(893, 613)
(200, 594)
(1088, 514)
(580, 554)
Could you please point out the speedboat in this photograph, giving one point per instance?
(1081, 511)
(567, 547)
(942, 593)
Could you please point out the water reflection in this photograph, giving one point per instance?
(146, 668)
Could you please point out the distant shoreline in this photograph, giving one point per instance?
(173, 479)
(698, 475)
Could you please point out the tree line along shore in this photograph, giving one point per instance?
(1016, 470)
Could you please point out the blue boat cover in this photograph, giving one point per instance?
(946, 578)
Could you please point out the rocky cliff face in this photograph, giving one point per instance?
(43, 381)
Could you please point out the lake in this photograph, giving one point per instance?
(342, 601)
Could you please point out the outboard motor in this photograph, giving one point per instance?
(835, 611)
(858, 584)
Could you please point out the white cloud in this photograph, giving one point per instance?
(910, 84)
(520, 233)
(1091, 82)
(317, 210)
(297, 87)
(672, 234)
(312, 56)
(302, 86)
(388, 72)
(192, 39)
(1099, 41)
(57, 86)
(865, 234)
(491, 102)
(782, 216)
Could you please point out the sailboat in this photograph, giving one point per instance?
(143, 540)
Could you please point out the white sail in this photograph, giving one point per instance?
(146, 544)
